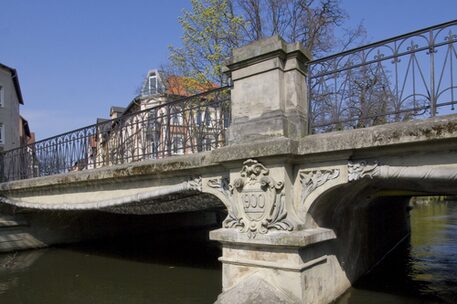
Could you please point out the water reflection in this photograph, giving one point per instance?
(175, 270)
(121, 271)
(421, 270)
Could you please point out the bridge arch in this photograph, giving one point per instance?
(369, 213)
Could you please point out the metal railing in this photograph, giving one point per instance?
(411, 76)
(182, 126)
(407, 77)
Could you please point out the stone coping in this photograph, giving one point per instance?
(410, 132)
(265, 49)
(285, 239)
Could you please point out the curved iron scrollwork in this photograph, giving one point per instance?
(181, 126)
(406, 77)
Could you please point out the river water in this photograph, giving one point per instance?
(144, 270)
(423, 269)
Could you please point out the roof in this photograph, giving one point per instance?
(101, 120)
(187, 86)
(175, 87)
(15, 79)
(131, 104)
(170, 84)
(115, 109)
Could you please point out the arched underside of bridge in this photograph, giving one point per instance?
(43, 216)
(370, 217)
(186, 196)
(25, 228)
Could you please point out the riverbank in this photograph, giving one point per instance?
(425, 200)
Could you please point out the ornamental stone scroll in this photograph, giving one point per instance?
(313, 179)
(358, 170)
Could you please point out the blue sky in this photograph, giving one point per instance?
(77, 58)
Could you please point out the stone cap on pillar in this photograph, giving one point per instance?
(264, 49)
(269, 93)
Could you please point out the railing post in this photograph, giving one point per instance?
(168, 131)
(432, 74)
(269, 95)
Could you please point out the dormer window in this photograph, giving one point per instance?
(152, 84)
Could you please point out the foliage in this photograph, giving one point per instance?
(212, 28)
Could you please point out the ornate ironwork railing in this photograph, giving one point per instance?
(182, 126)
(407, 77)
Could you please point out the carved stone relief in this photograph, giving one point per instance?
(195, 184)
(257, 201)
(221, 185)
(362, 169)
(421, 173)
(312, 179)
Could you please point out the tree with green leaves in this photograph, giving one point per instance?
(212, 28)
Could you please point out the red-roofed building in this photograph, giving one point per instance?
(147, 128)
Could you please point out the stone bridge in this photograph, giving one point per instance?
(306, 214)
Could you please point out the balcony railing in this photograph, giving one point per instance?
(411, 76)
(182, 126)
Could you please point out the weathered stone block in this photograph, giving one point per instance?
(269, 95)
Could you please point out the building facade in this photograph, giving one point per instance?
(10, 99)
(156, 124)
(14, 129)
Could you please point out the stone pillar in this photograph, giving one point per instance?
(268, 255)
(269, 95)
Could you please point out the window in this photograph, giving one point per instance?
(207, 118)
(226, 115)
(154, 147)
(207, 143)
(2, 134)
(153, 84)
(152, 119)
(153, 133)
(177, 144)
(2, 96)
(176, 116)
(199, 118)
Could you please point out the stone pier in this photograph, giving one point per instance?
(275, 250)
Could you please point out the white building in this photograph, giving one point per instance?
(151, 126)
(10, 99)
